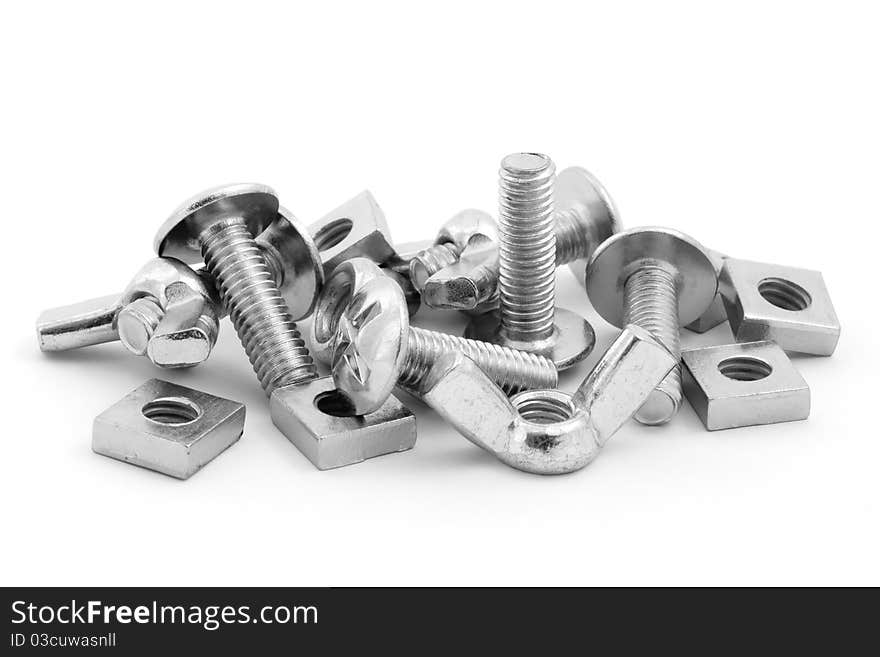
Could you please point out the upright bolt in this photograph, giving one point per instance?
(659, 279)
(362, 314)
(219, 226)
(584, 217)
(528, 318)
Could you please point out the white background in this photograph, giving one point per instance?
(753, 127)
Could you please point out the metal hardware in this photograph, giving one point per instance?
(321, 424)
(549, 431)
(168, 428)
(787, 305)
(741, 385)
(361, 318)
(715, 314)
(659, 279)
(528, 319)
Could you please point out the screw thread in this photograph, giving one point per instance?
(511, 369)
(264, 325)
(145, 313)
(651, 302)
(527, 253)
(573, 236)
(431, 260)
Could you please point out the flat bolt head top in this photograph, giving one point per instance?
(179, 235)
(365, 312)
(290, 245)
(620, 256)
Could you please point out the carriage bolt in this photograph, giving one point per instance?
(218, 226)
(659, 279)
(585, 216)
(528, 318)
(361, 315)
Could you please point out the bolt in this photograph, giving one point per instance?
(219, 226)
(659, 279)
(528, 318)
(362, 315)
(584, 217)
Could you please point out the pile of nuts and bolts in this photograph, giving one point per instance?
(235, 251)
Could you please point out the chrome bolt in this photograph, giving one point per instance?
(219, 226)
(361, 316)
(659, 279)
(528, 318)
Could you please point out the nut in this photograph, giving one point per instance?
(787, 305)
(355, 228)
(549, 431)
(740, 385)
(168, 428)
(316, 419)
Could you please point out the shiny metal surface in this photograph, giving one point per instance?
(584, 215)
(357, 228)
(331, 440)
(716, 313)
(361, 319)
(745, 384)
(659, 279)
(219, 226)
(168, 428)
(788, 305)
(549, 431)
(167, 312)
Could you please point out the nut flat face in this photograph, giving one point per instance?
(787, 305)
(178, 237)
(168, 428)
(744, 384)
(618, 257)
(332, 441)
(357, 228)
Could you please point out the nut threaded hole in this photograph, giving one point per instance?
(744, 368)
(333, 402)
(541, 407)
(333, 233)
(784, 294)
(171, 410)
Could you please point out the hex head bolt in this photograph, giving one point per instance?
(528, 319)
(363, 315)
(584, 217)
(218, 226)
(659, 279)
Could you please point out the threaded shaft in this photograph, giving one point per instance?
(431, 260)
(651, 302)
(511, 369)
(264, 325)
(527, 254)
(573, 239)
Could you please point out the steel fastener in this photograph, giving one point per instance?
(659, 279)
(361, 317)
(528, 318)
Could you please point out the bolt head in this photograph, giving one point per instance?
(179, 235)
(618, 257)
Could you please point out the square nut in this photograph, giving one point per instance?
(168, 428)
(357, 228)
(787, 305)
(313, 417)
(744, 384)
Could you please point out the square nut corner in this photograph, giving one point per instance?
(168, 428)
(787, 305)
(744, 384)
(312, 416)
